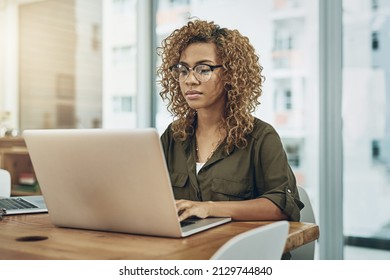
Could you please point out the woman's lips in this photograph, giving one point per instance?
(193, 94)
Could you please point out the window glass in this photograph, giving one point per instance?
(120, 67)
(68, 64)
(60, 64)
(366, 122)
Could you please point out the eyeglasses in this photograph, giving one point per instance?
(202, 72)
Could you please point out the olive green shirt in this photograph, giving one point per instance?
(260, 169)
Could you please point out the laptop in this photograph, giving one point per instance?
(22, 205)
(108, 180)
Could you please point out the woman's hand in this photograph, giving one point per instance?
(258, 209)
(188, 208)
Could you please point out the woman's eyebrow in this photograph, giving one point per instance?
(198, 62)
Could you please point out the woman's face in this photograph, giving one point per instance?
(199, 95)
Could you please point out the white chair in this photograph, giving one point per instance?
(5, 183)
(262, 243)
(305, 252)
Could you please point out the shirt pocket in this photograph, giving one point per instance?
(179, 182)
(223, 189)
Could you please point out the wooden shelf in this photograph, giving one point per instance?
(14, 157)
(18, 190)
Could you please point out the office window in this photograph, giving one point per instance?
(180, 2)
(123, 104)
(123, 56)
(53, 63)
(283, 100)
(121, 7)
(375, 41)
(374, 4)
(293, 152)
(63, 62)
(120, 75)
(366, 124)
(288, 102)
(375, 149)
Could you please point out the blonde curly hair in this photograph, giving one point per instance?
(243, 80)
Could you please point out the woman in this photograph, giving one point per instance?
(223, 161)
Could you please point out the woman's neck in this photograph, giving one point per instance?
(209, 135)
(208, 122)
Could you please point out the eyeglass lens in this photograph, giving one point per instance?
(202, 72)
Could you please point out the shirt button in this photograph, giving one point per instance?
(289, 190)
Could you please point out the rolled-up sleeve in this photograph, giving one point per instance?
(275, 179)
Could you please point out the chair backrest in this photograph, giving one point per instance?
(5, 183)
(305, 252)
(262, 243)
(307, 213)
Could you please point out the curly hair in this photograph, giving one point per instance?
(243, 79)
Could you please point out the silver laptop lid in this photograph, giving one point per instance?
(114, 180)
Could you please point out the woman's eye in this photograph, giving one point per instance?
(203, 70)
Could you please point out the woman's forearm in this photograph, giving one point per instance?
(260, 209)
(254, 209)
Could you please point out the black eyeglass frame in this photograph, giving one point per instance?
(212, 68)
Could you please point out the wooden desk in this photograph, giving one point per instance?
(64, 243)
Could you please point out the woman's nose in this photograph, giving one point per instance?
(191, 79)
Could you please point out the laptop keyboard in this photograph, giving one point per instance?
(185, 223)
(15, 203)
(188, 222)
